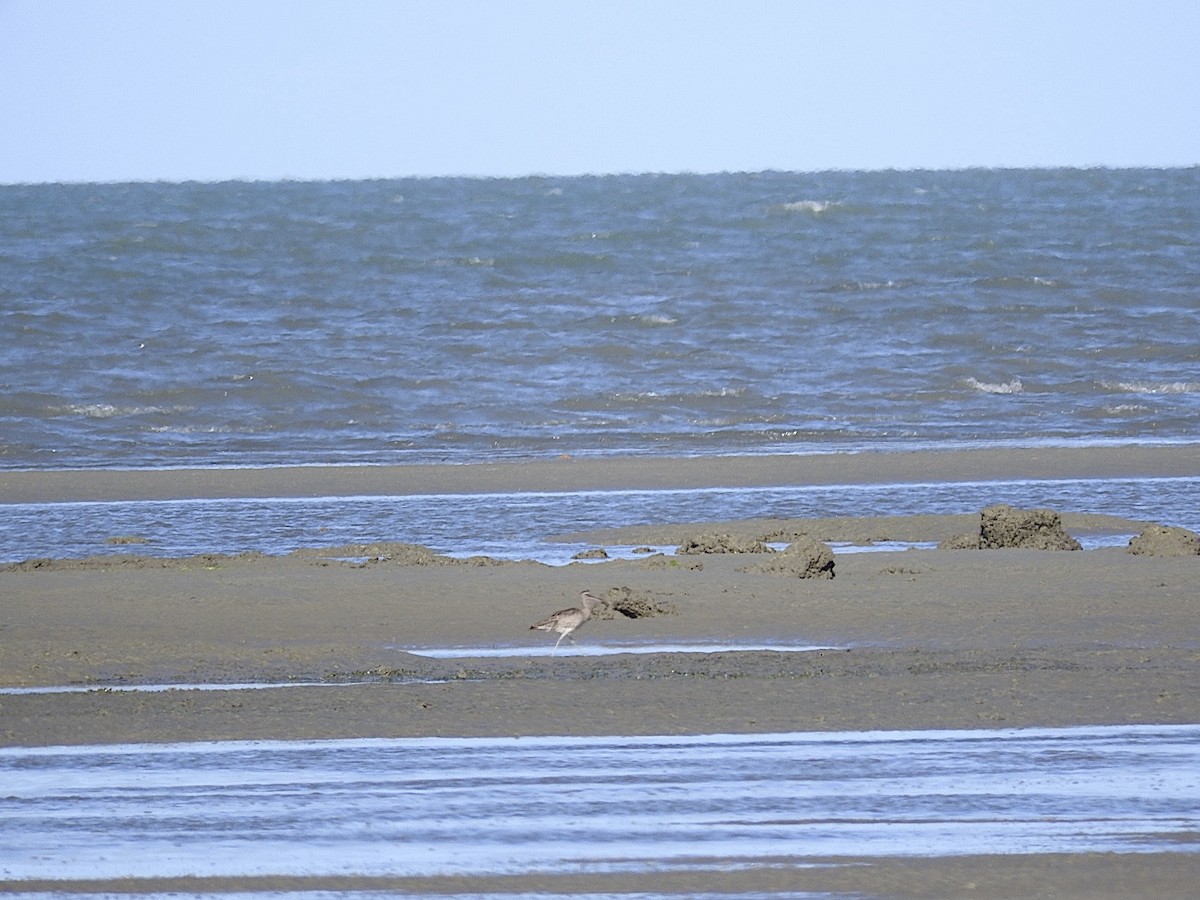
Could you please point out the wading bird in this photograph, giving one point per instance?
(567, 620)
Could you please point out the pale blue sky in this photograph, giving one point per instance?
(114, 90)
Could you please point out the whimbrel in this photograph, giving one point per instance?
(567, 620)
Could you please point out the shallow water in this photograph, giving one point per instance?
(516, 525)
(610, 648)
(161, 688)
(430, 806)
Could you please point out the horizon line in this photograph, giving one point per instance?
(631, 173)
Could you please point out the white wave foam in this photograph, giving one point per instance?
(1118, 409)
(194, 429)
(723, 392)
(636, 397)
(807, 206)
(1151, 387)
(655, 319)
(994, 387)
(110, 410)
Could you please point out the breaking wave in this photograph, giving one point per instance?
(1151, 387)
(807, 206)
(993, 387)
(110, 410)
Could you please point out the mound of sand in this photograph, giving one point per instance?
(1165, 540)
(803, 558)
(721, 543)
(1003, 527)
(635, 604)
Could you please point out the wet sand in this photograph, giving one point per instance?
(1081, 875)
(924, 638)
(919, 639)
(602, 473)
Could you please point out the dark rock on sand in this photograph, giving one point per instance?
(968, 541)
(721, 543)
(133, 561)
(803, 558)
(391, 552)
(1166, 540)
(634, 605)
(661, 561)
(1002, 527)
(594, 553)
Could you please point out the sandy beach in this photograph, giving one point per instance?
(915, 640)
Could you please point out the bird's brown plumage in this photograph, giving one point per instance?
(568, 620)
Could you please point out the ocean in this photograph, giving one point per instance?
(249, 323)
(467, 320)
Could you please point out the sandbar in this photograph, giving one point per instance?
(580, 473)
(915, 639)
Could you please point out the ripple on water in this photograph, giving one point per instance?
(547, 805)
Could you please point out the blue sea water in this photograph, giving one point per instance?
(466, 320)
